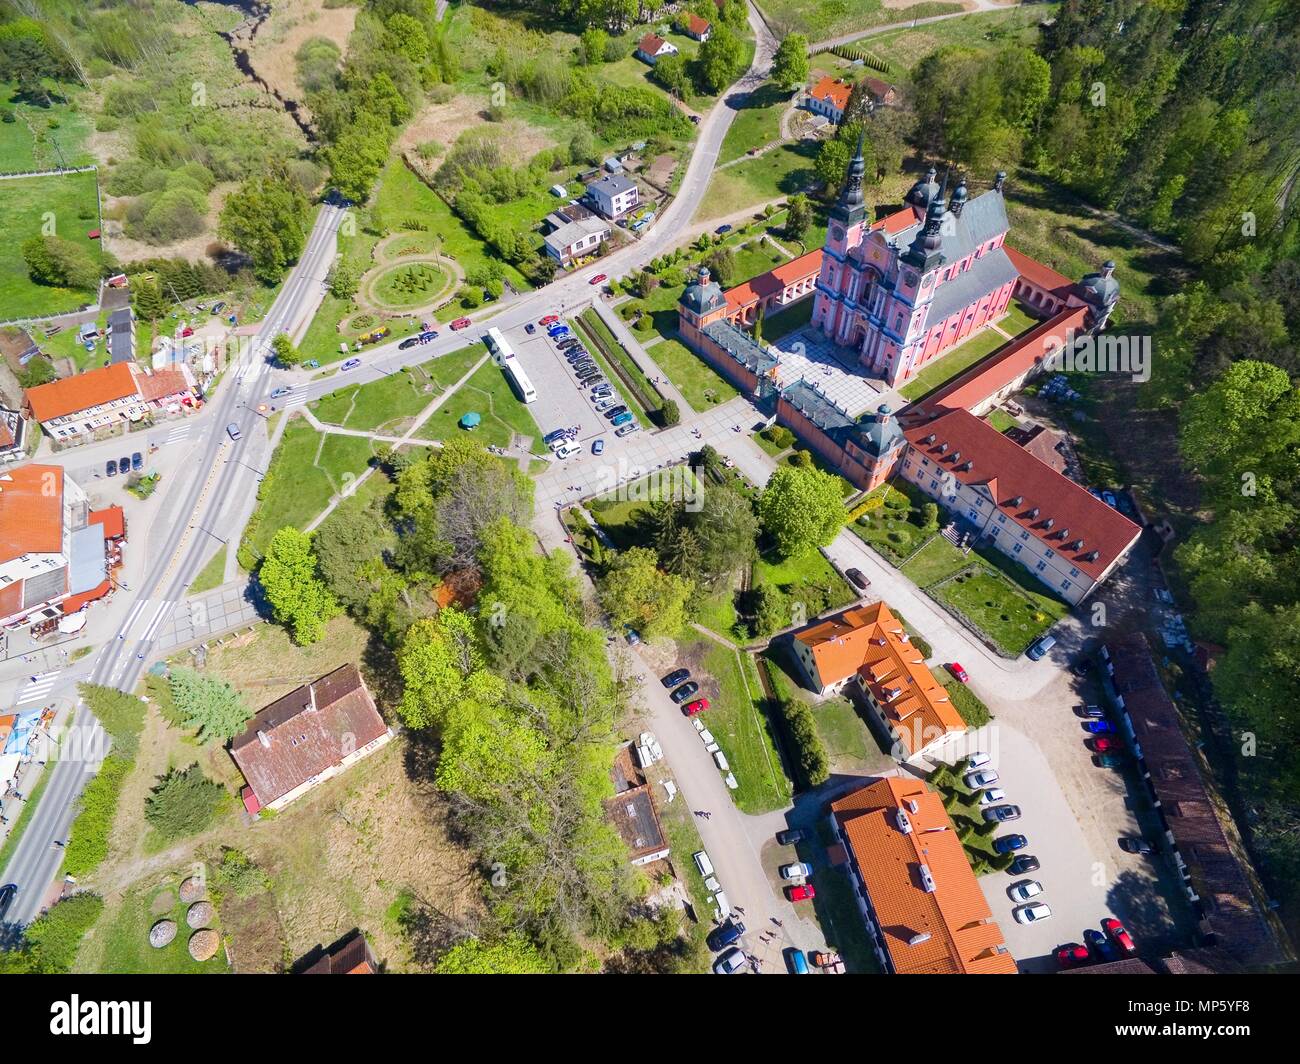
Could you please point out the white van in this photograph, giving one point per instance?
(702, 862)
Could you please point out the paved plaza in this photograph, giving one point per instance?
(809, 356)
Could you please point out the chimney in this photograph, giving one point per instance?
(310, 707)
(261, 738)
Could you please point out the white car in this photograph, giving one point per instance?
(567, 450)
(992, 796)
(977, 760)
(798, 870)
(1033, 913)
(730, 962)
(976, 780)
(1025, 889)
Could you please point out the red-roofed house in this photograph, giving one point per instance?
(829, 97)
(81, 405)
(13, 433)
(307, 737)
(694, 26)
(40, 511)
(1062, 533)
(651, 48)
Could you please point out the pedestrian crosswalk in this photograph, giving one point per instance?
(152, 612)
(177, 435)
(38, 687)
(297, 397)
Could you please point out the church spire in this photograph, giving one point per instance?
(851, 206)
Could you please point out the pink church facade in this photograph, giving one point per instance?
(902, 291)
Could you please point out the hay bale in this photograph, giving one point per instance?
(162, 933)
(192, 890)
(203, 944)
(199, 914)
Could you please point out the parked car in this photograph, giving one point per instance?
(676, 677)
(1136, 844)
(1108, 497)
(1025, 889)
(124, 464)
(992, 796)
(1116, 933)
(408, 343)
(730, 962)
(567, 450)
(602, 392)
(598, 279)
(530, 328)
(977, 760)
(232, 430)
(1026, 862)
(312, 363)
(803, 892)
(983, 778)
(279, 393)
(137, 461)
(722, 937)
(351, 363)
(1099, 945)
(110, 468)
(955, 668)
(1033, 913)
(1071, 955)
(614, 411)
(1099, 727)
(550, 319)
(1105, 744)
(722, 229)
(605, 403)
(218, 307)
(796, 960)
(627, 430)
(698, 706)
(1040, 647)
(1000, 814)
(558, 434)
(460, 323)
(1092, 712)
(632, 636)
(624, 418)
(858, 579)
(7, 893)
(796, 870)
(790, 836)
(1009, 843)
(687, 690)
(427, 336)
(1081, 667)
(1110, 761)
(598, 447)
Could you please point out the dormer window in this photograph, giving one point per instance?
(1017, 501)
(1076, 545)
(1092, 556)
(1049, 523)
(929, 439)
(1033, 513)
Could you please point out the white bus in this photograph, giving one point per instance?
(509, 361)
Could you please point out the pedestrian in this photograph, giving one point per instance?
(777, 922)
(740, 910)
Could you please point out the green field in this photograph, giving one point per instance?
(757, 123)
(66, 205)
(125, 941)
(385, 406)
(47, 132)
(699, 384)
(488, 394)
(776, 174)
(820, 19)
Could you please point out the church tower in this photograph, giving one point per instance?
(850, 212)
(834, 302)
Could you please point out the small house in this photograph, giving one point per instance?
(651, 48)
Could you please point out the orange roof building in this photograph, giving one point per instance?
(867, 645)
(829, 97)
(697, 27)
(39, 510)
(915, 888)
(109, 395)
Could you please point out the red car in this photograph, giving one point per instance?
(1104, 744)
(460, 323)
(598, 278)
(1118, 935)
(698, 706)
(187, 331)
(1071, 955)
(550, 319)
(956, 669)
(803, 892)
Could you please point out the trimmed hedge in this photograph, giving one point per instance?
(88, 839)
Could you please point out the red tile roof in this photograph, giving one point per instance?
(774, 281)
(1027, 491)
(85, 390)
(896, 222)
(1035, 272)
(113, 520)
(833, 91)
(161, 384)
(31, 511)
(696, 24)
(948, 930)
(651, 43)
(74, 602)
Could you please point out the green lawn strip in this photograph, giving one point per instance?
(1018, 319)
(837, 911)
(378, 405)
(26, 206)
(62, 126)
(716, 611)
(699, 384)
(743, 732)
(211, 575)
(488, 394)
(29, 810)
(787, 321)
(953, 364)
(1002, 610)
(757, 123)
(936, 561)
(767, 445)
(808, 578)
(126, 948)
(820, 21)
(631, 384)
(1001, 420)
(449, 368)
(974, 712)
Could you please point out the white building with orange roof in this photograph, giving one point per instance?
(829, 97)
(867, 646)
(914, 885)
(41, 514)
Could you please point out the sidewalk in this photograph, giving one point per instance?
(662, 384)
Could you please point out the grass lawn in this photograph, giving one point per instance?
(744, 733)
(448, 369)
(307, 469)
(1001, 420)
(787, 321)
(758, 122)
(68, 202)
(937, 560)
(699, 384)
(46, 133)
(953, 364)
(404, 287)
(894, 529)
(778, 173)
(973, 711)
(767, 445)
(1006, 613)
(212, 574)
(717, 613)
(822, 20)
(123, 942)
(387, 405)
(1017, 319)
(487, 393)
(810, 576)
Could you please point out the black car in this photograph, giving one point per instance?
(687, 690)
(408, 343)
(674, 678)
(614, 411)
(1026, 862)
(858, 579)
(1000, 814)
(530, 328)
(124, 464)
(1082, 667)
(584, 364)
(722, 937)
(110, 467)
(790, 836)
(8, 891)
(1091, 712)
(587, 378)
(1136, 844)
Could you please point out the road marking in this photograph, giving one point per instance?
(163, 609)
(181, 432)
(39, 687)
(131, 617)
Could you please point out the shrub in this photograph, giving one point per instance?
(184, 802)
(813, 764)
(88, 839)
(779, 435)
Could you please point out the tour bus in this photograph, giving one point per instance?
(509, 361)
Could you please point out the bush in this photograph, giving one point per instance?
(121, 714)
(88, 838)
(184, 802)
(670, 412)
(813, 764)
(237, 873)
(779, 435)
